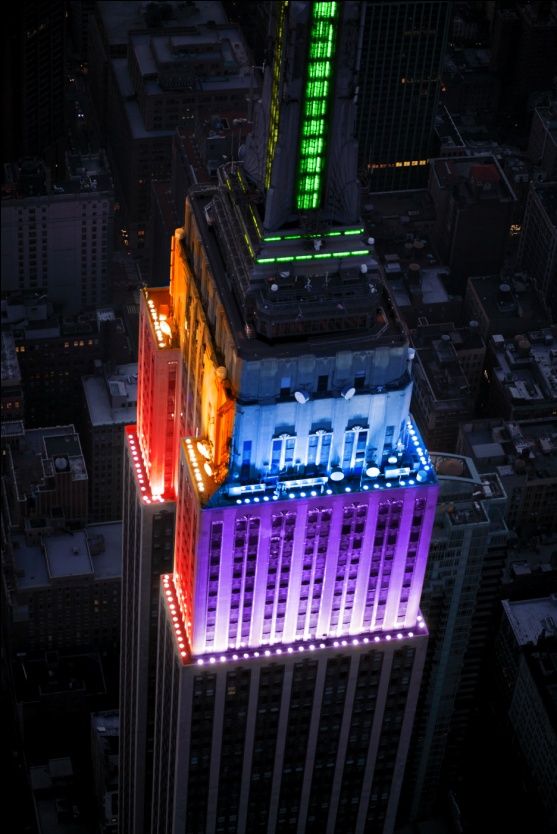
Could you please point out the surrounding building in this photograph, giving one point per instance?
(402, 49)
(523, 375)
(33, 80)
(461, 591)
(57, 241)
(509, 305)
(12, 391)
(469, 84)
(526, 666)
(67, 588)
(474, 205)
(542, 143)
(111, 400)
(46, 478)
(273, 414)
(448, 370)
(197, 151)
(523, 453)
(105, 737)
(538, 241)
(163, 64)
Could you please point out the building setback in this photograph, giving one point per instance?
(274, 388)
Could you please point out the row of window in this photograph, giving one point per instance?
(318, 450)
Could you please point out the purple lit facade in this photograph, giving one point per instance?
(311, 567)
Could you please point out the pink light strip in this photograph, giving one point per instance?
(147, 496)
(175, 616)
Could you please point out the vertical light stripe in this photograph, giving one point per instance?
(343, 741)
(279, 750)
(216, 744)
(183, 731)
(312, 741)
(406, 731)
(251, 721)
(374, 739)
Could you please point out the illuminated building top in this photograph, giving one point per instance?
(275, 382)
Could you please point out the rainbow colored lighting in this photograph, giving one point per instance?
(313, 128)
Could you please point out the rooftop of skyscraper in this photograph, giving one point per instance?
(121, 16)
(523, 448)
(112, 397)
(94, 551)
(508, 304)
(529, 618)
(471, 179)
(526, 366)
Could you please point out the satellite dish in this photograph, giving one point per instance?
(371, 241)
(61, 464)
(392, 459)
(284, 274)
(274, 287)
(411, 353)
(348, 393)
(363, 268)
(301, 397)
(337, 475)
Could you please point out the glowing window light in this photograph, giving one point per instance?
(321, 256)
(313, 127)
(275, 89)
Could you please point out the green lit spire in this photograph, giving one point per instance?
(312, 146)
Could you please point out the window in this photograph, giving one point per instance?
(282, 452)
(319, 448)
(285, 384)
(355, 442)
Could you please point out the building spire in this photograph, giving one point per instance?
(303, 152)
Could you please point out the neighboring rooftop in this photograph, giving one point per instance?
(95, 552)
(526, 366)
(507, 305)
(119, 17)
(473, 178)
(112, 398)
(530, 618)
(525, 448)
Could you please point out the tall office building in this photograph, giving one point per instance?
(33, 80)
(402, 48)
(273, 415)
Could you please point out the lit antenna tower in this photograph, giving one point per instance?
(273, 415)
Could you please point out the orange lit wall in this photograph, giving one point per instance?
(158, 370)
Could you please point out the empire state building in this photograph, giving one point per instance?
(278, 497)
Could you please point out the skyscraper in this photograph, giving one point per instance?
(273, 416)
(402, 49)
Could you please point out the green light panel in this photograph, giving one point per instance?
(274, 238)
(321, 256)
(275, 104)
(313, 130)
